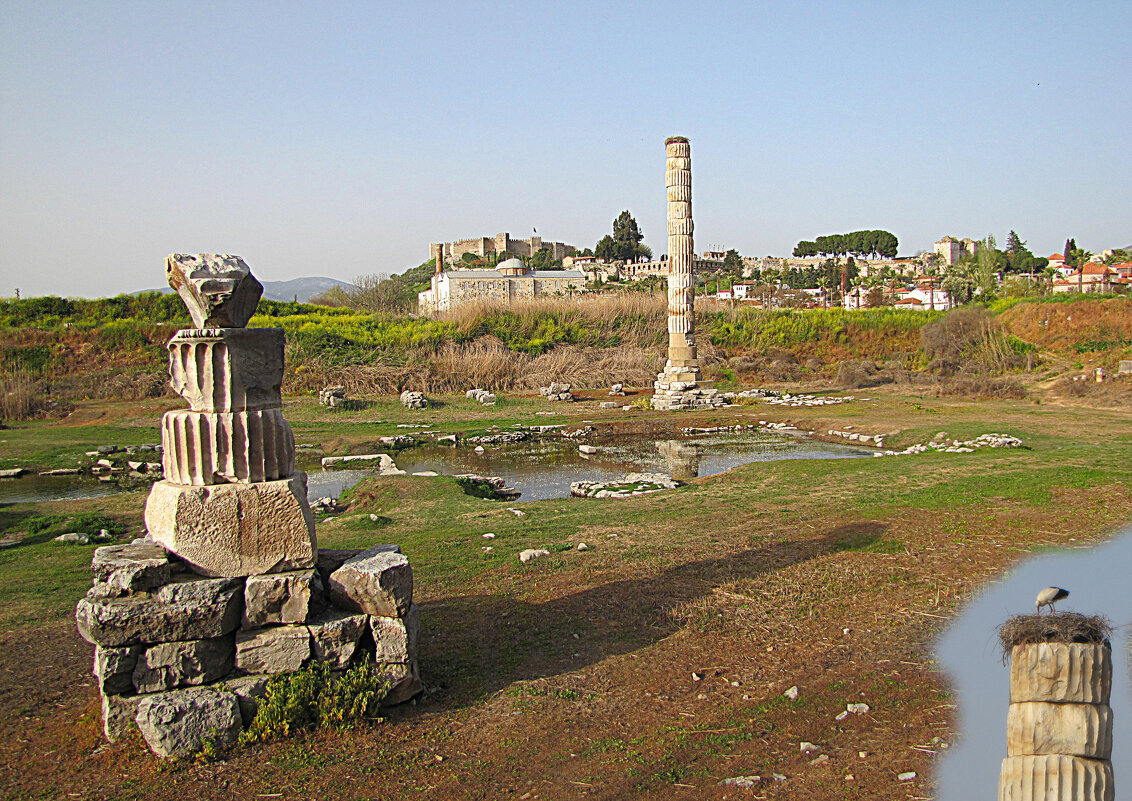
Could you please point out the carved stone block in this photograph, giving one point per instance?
(1037, 728)
(1061, 672)
(235, 529)
(1055, 778)
(227, 369)
(202, 449)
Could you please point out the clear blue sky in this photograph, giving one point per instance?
(340, 138)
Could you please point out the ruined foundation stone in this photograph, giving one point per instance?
(235, 529)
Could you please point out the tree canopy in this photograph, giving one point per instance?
(626, 242)
(857, 243)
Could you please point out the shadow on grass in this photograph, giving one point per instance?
(476, 645)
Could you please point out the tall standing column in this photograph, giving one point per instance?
(682, 366)
(676, 387)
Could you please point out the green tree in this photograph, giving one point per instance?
(733, 264)
(805, 249)
(1014, 244)
(606, 248)
(958, 288)
(628, 238)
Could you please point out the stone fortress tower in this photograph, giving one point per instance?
(677, 387)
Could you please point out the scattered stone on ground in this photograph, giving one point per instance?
(745, 782)
(632, 484)
(14, 472)
(792, 693)
(557, 392)
(82, 538)
(383, 461)
(497, 485)
(516, 512)
(943, 445)
(587, 449)
(617, 389)
(413, 400)
(530, 554)
(481, 396)
(332, 396)
(398, 441)
(499, 439)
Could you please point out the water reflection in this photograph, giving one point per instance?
(544, 468)
(35, 489)
(1097, 579)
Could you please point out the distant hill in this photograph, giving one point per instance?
(300, 289)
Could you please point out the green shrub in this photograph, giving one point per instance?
(313, 697)
(35, 359)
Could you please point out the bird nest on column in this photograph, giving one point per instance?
(1068, 627)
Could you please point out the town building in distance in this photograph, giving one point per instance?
(500, 245)
(510, 282)
(951, 250)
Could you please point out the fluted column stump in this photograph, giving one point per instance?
(231, 503)
(678, 387)
(1059, 726)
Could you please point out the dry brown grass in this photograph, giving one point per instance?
(486, 363)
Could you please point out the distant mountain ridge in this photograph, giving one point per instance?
(299, 289)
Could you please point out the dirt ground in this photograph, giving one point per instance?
(654, 676)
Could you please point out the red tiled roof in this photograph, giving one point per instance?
(1095, 268)
(1056, 256)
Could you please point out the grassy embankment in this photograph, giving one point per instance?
(572, 676)
(59, 351)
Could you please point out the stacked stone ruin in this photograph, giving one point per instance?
(677, 387)
(557, 392)
(229, 586)
(332, 396)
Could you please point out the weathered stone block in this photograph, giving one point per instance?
(330, 559)
(281, 597)
(218, 289)
(1055, 778)
(406, 683)
(208, 448)
(114, 669)
(132, 568)
(248, 691)
(1037, 728)
(169, 665)
(335, 636)
(376, 581)
(395, 639)
(1061, 672)
(235, 530)
(179, 723)
(274, 650)
(118, 713)
(189, 608)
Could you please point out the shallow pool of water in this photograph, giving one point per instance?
(33, 489)
(544, 468)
